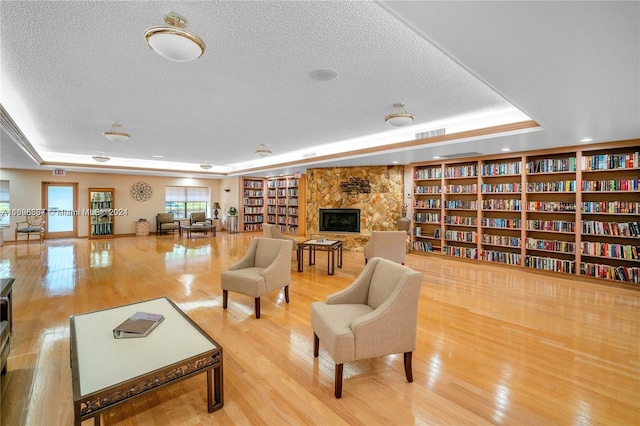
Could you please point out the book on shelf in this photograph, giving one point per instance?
(139, 324)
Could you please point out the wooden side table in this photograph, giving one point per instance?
(142, 228)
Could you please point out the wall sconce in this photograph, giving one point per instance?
(227, 189)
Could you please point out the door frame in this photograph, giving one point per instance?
(45, 193)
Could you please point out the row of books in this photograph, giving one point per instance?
(422, 246)
(253, 218)
(432, 203)
(464, 236)
(550, 264)
(501, 257)
(552, 245)
(426, 217)
(622, 229)
(461, 220)
(610, 185)
(611, 161)
(282, 183)
(460, 204)
(493, 222)
(102, 229)
(615, 251)
(432, 173)
(427, 189)
(495, 204)
(552, 165)
(559, 186)
(500, 187)
(551, 225)
(469, 170)
(252, 193)
(551, 206)
(253, 202)
(253, 184)
(501, 240)
(632, 207)
(462, 189)
(496, 169)
(253, 227)
(619, 273)
(466, 252)
(254, 210)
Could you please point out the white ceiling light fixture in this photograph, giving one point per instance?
(263, 151)
(115, 134)
(101, 157)
(173, 42)
(399, 118)
(205, 165)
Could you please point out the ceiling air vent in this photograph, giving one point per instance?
(431, 133)
(463, 155)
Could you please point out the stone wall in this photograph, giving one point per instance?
(379, 209)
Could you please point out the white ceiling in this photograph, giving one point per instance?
(71, 68)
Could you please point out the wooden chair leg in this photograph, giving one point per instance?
(338, 380)
(225, 297)
(257, 307)
(408, 371)
(316, 345)
(286, 293)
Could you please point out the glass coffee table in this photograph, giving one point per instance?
(108, 371)
(330, 246)
(198, 228)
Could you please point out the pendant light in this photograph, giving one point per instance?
(399, 118)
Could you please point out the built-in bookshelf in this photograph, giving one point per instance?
(253, 193)
(275, 201)
(573, 210)
(283, 209)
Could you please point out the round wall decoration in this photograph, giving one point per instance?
(141, 191)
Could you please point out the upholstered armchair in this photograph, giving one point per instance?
(272, 231)
(32, 225)
(390, 245)
(266, 266)
(374, 316)
(166, 222)
(199, 218)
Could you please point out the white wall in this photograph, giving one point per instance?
(26, 193)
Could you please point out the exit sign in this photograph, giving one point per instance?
(59, 172)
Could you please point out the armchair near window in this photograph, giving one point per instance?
(374, 316)
(266, 266)
(390, 245)
(199, 218)
(32, 225)
(166, 222)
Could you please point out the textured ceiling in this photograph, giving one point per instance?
(71, 68)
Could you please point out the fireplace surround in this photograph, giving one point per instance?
(339, 220)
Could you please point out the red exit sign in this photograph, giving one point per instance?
(59, 172)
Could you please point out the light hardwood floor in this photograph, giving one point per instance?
(495, 345)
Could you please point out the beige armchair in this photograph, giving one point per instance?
(32, 225)
(166, 222)
(374, 316)
(266, 266)
(272, 231)
(390, 245)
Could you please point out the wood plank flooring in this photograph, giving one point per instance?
(495, 345)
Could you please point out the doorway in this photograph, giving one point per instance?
(61, 203)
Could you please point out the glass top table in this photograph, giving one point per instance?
(330, 246)
(108, 371)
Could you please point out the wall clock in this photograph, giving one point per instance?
(141, 191)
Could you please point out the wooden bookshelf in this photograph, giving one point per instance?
(574, 210)
(253, 198)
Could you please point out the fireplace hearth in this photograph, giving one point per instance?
(339, 220)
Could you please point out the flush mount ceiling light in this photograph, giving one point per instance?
(115, 134)
(263, 151)
(101, 157)
(205, 165)
(399, 118)
(172, 42)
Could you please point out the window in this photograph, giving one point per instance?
(4, 202)
(183, 200)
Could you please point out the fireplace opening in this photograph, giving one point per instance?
(339, 220)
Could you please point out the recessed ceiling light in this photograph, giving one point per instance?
(323, 74)
(586, 140)
(394, 162)
(157, 156)
(506, 149)
(436, 157)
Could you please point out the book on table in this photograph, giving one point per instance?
(139, 324)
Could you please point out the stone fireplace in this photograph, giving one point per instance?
(379, 209)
